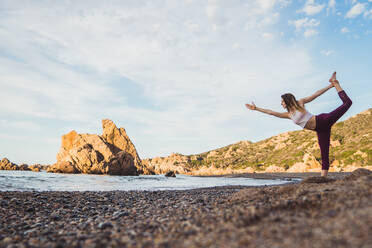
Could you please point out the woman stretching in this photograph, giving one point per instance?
(322, 123)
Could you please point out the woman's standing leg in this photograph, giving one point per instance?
(324, 141)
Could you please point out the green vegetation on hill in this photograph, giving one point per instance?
(351, 144)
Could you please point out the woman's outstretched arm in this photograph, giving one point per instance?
(267, 111)
(315, 95)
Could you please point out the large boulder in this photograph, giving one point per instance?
(111, 153)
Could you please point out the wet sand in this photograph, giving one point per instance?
(313, 213)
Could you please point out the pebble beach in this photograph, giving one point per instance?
(313, 213)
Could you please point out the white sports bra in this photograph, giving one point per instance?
(300, 118)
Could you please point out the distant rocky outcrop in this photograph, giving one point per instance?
(170, 174)
(175, 162)
(5, 164)
(38, 167)
(111, 153)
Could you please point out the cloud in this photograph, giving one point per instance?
(327, 52)
(236, 46)
(20, 124)
(212, 9)
(310, 32)
(356, 10)
(167, 72)
(344, 30)
(192, 26)
(306, 25)
(368, 14)
(311, 8)
(331, 6)
(284, 3)
(267, 36)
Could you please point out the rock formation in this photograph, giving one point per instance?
(5, 164)
(111, 153)
(170, 174)
(175, 162)
(309, 164)
(37, 167)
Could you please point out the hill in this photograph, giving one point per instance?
(296, 151)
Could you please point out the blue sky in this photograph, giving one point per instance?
(174, 74)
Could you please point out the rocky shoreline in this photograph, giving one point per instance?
(314, 213)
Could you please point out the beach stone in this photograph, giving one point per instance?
(29, 209)
(111, 153)
(29, 231)
(317, 179)
(104, 225)
(55, 216)
(358, 173)
(7, 240)
(119, 214)
(38, 224)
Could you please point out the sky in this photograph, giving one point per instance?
(174, 74)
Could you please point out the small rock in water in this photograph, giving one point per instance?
(170, 174)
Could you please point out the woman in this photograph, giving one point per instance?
(322, 123)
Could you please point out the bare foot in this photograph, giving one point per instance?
(336, 84)
(324, 173)
(333, 77)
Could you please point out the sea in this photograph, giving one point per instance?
(43, 181)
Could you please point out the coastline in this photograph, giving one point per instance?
(308, 214)
(283, 175)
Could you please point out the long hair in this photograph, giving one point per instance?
(291, 103)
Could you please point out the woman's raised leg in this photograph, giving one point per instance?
(340, 111)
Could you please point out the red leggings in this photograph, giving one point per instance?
(324, 124)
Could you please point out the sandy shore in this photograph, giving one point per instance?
(314, 213)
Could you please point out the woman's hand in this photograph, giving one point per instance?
(251, 106)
